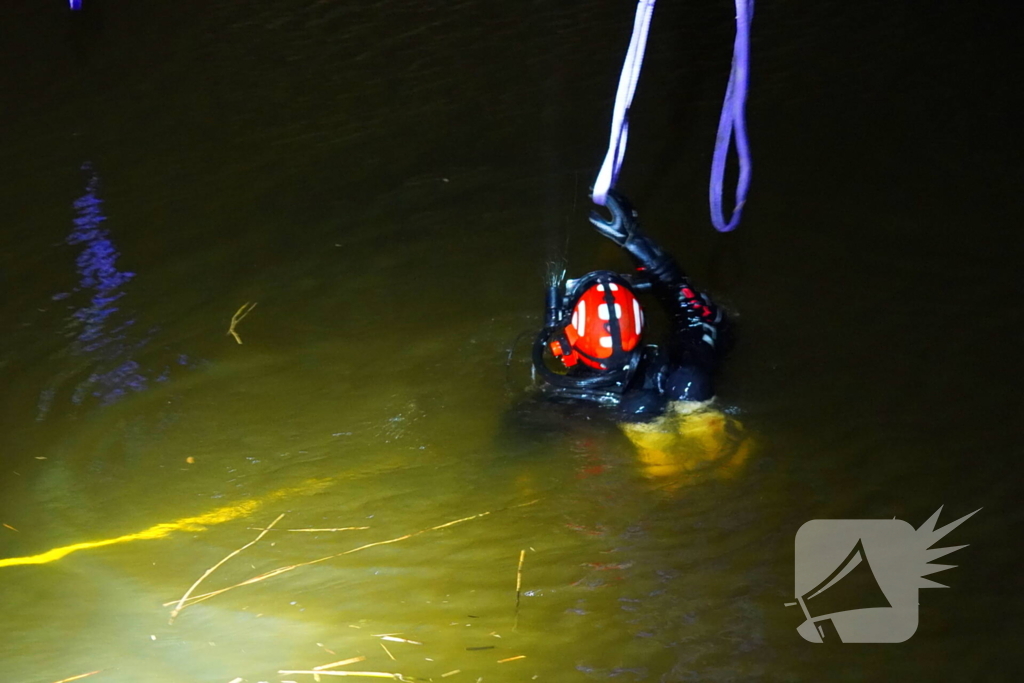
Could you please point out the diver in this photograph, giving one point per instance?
(599, 374)
(595, 326)
(659, 395)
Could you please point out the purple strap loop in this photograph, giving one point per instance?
(733, 122)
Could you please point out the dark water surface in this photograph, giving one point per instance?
(386, 180)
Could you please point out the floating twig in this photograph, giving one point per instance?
(344, 528)
(177, 609)
(344, 662)
(389, 652)
(75, 678)
(245, 310)
(283, 570)
(400, 640)
(511, 659)
(451, 673)
(519, 584)
(364, 674)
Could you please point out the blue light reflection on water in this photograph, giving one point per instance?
(100, 329)
(97, 266)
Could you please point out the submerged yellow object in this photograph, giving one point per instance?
(690, 441)
(196, 523)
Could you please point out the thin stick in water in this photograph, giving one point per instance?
(344, 528)
(75, 678)
(364, 674)
(282, 570)
(344, 662)
(519, 584)
(399, 640)
(177, 609)
(245, 310)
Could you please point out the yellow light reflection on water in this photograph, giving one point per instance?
(196, 523)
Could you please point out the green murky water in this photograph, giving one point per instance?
(385, 181)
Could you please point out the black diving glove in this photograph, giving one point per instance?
(624, 230)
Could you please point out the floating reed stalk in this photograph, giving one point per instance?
(364, 674)
(344, 662)
(344, 528)
(79, 676)
(519, 585)
(245, 310)
(177, 609)
(283, 570)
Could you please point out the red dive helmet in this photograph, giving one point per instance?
(606, 325)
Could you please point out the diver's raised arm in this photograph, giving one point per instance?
(691, 310)
(624, 229)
